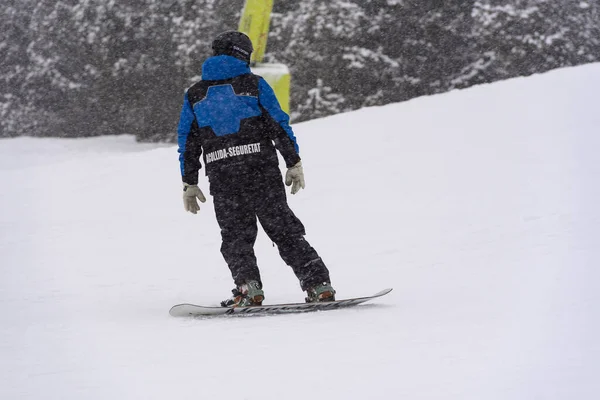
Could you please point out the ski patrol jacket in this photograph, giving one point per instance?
(232, 118)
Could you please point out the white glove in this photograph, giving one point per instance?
(295, 177)
(190, 193)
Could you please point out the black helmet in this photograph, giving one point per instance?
(233, 43)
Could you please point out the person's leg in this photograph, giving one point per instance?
(287, 232)
(237, 221)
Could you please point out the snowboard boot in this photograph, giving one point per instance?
(248, 294)
(320, 293)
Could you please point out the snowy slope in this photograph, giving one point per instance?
(480, 207)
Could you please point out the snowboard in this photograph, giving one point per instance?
(192, 310)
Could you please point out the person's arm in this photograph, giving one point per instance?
(283, 136)
(190, 151)
(190, 148)
(281, 133)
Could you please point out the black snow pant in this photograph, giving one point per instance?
(237, 214)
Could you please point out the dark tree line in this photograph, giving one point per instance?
(92, 67)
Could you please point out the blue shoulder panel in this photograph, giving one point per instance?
(223, 110)
(269, 101)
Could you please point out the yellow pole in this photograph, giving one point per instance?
(255, 20)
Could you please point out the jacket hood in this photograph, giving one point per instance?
(217, 68)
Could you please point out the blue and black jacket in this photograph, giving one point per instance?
(233, 119)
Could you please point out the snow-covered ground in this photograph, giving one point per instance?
(480, 207)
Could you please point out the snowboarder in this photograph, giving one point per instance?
(233, 118)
